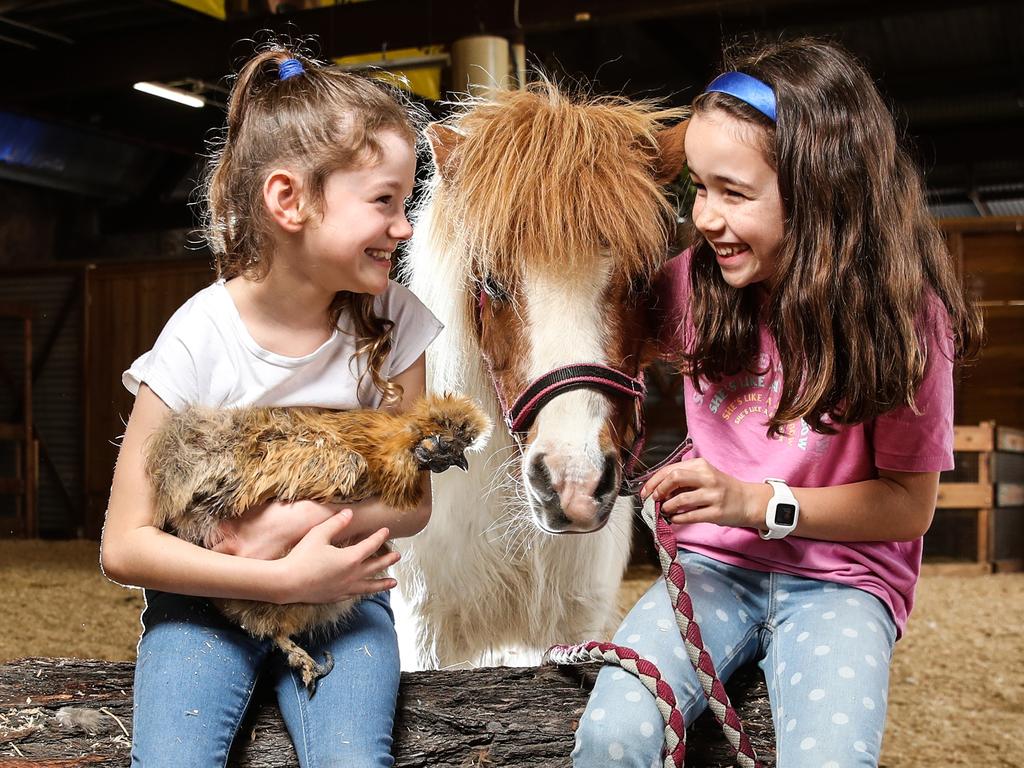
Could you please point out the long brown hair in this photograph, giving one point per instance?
(859, 257)
(317, 122)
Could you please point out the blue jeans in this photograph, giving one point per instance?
(196, 672)
(824, 648)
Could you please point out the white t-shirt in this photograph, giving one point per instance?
(205, 356)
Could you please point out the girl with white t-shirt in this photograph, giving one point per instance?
(306, 204)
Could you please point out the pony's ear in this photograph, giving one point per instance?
(671, 153)
(443, 141)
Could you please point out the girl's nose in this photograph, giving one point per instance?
(401, 229)
(706, 217)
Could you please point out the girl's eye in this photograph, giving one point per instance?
(735, 194)
(386, 199)
(701, 189)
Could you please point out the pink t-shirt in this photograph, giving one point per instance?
(728, 424)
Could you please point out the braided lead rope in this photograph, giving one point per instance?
(718, 699)
(674, 749)
(673, 752)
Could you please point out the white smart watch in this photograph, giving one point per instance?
(783, 511)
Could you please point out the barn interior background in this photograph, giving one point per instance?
(97, 250)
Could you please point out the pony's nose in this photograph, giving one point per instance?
(576, 496)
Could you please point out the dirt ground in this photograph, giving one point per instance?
(956, 695)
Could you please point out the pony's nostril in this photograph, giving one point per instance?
(540, 478)
(609, 478)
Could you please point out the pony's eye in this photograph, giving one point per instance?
(494, 290)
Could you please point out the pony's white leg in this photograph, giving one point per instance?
(409, 629)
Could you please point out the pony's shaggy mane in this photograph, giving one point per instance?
(556, 180)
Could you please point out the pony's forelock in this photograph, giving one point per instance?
(557, 181)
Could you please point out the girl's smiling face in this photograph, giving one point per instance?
(350, 246)
(738, 207)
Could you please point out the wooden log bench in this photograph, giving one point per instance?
(459, 718)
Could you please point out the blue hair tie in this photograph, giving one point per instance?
(290, 68)
(747, 89)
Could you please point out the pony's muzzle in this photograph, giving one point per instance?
(569, 498)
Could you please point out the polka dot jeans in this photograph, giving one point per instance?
(824, 649)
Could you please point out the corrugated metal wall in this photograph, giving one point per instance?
(55, 297)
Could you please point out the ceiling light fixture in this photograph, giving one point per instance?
(174, 94)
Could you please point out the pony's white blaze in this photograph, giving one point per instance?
(564, 321)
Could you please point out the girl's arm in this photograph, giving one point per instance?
(898, 506)
(134, 551)
(274, 528)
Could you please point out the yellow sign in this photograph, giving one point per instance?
(213, 8)
(424, 81)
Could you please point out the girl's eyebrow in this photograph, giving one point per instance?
(729, 181)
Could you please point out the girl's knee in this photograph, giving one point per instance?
(622, 736)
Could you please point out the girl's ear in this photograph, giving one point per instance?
(282, 195)
(443, 141)
(671, 153)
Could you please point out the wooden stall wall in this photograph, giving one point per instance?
(979, 520)
(51, 298)
(990, 252)
(127, 305)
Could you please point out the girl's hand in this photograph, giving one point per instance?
(693, 491)
(317, 571)
(271, 530)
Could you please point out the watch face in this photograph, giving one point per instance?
(785, 514)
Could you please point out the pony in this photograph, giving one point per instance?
(535, 243)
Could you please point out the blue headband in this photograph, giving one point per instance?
(290, 68)
(747, 89)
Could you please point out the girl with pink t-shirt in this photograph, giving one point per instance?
(817, 320)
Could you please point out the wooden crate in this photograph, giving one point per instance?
(979, 517)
